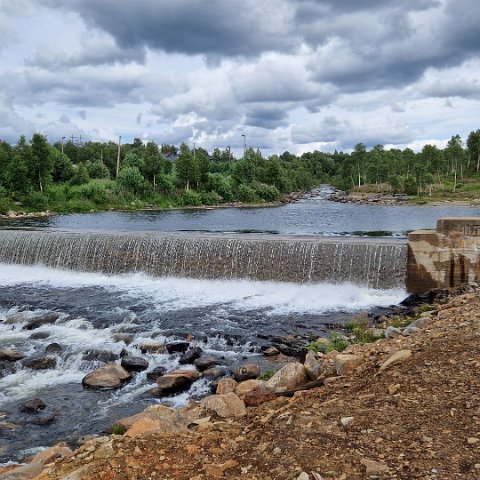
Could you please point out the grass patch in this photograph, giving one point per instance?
(267, 374)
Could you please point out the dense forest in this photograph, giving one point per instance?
(73, 176)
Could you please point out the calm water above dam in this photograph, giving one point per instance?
(310, 216)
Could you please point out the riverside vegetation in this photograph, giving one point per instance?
(35, 175)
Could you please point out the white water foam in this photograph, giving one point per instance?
(179, 293)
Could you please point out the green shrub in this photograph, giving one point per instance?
(246, 193)
(210, 198)
(267, 374)
(337, 342)
(191, 198)
(117, 429)
(266, 192)
(80, 177)
(4, 205)
(36, 201)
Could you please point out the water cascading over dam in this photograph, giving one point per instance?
(367, 262)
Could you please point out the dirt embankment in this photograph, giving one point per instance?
(418, 418)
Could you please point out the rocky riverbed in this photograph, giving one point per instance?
(405, 407)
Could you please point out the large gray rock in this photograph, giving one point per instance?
(108, 377)
(312, 366)
(40, 321)
(190, 356)
(40, 362)
(11, 355)
(246, 372)
(134, 364)
(345, 364)
(289, 377)
(204, 363)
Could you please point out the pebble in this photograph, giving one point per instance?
(472, 440)
(346, 421)
(303, 476)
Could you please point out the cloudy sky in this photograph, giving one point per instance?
(291, 75)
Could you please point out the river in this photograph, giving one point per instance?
(230, 320)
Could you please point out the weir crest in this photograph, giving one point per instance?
(368, 262)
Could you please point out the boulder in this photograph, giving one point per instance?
(134, 364)
(43, 420)
(53, 348)
(391, 332)
(410, 330)
(246, 372)
(190, 356)
(271, 351)
(255, 392)
(51, 454)
(204, 363)
(214, 372)
(39, 335)
(289, 377)
(155, 373)
(312, 366)
(40, 362)
(126, 338)
(345, 364)
(99, 356)
(153, 348)
(226, 385)
(40, 321)
(33, 406)
(228, 405)
(176, 382)
(11, 355)
(23, 472)
(108, 377)
(177, 347)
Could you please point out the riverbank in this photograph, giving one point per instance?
(405, 409)
(389, 199)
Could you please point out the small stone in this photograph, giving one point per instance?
(373, 468)
(346, 421)
(303, 476)
(393, 389)
(277, 451)
(33, 406)
(271, 351)
(397, 357)
(427, 439)
(472, 440)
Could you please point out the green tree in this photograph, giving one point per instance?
(42, 161)
(186, 168)
(131, 180)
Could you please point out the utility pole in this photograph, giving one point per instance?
(244, 146)
(229, 157)
(118, 156)
(63, 140)
(194, 154)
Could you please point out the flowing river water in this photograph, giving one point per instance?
(229, 319)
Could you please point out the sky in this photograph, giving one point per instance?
(294, 75)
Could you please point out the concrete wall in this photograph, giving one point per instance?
(445, 257)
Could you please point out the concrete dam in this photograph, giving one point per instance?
(376, 263)
(441, 258)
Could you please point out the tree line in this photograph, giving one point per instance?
(36, 175)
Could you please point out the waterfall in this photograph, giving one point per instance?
(372, 263)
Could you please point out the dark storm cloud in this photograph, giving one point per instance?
(216, 27)
(266, 116)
